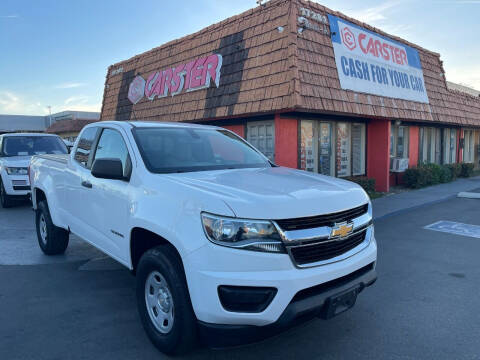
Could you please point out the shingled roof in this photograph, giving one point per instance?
(67, 126)
(269, 67)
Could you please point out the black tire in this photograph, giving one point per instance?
(5, 200)
(182, 337)
(56, 240)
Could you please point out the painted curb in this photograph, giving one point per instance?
(468, 195)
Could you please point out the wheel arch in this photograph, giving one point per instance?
(37, 196)
(40, 193)
(142, 240)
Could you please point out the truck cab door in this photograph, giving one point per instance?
(110, 199)
(77, 182)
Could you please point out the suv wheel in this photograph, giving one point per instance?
(52, 239)
(5, 200)
(164, 302)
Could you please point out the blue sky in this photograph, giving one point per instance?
(56, 52)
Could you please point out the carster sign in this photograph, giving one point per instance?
(195, 75)
(374, 64)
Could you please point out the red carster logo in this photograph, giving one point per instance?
(348, 38)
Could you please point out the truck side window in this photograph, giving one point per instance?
(112, 146)
(85, 144)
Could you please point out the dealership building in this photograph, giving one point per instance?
(308, 86)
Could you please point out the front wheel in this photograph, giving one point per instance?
(164, 302)
(5, 199)
(52, 239)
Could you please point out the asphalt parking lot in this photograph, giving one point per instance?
(82, 306)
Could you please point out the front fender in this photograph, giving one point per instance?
(175, 216)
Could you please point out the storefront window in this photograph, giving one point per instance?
(430, 149)
(399, 141)
(261, 135)
(329, 148)
(468, 147)
(449, 146)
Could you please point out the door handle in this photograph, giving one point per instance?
(87, 184)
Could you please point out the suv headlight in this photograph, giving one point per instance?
(256, 235)
(16, 170)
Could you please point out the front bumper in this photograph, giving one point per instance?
(304, 306)
(213, 266)
(16, 185)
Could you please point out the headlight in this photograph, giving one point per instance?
(244, 234)
(16, 170)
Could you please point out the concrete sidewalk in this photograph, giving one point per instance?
(393, 204)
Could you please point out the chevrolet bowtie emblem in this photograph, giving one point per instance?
(341, 230)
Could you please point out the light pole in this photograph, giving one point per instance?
(50, 115)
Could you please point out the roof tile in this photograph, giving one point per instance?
(266, 70)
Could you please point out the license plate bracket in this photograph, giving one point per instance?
(340, 302)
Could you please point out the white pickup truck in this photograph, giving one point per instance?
(226, 246)
(16, 150)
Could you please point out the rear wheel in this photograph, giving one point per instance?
(164, 302)
(52, 239)
(5, 199)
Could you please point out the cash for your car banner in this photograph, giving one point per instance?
(373, 64)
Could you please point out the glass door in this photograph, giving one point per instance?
(358, 146)
(343, 151)
(307, 146)
(331, 148)
(325, 149)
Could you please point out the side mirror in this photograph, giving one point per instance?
(108, 169)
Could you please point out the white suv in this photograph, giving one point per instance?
(15, 153)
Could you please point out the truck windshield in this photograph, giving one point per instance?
(32, 145)
(173, 150)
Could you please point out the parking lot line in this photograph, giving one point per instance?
(456, 228)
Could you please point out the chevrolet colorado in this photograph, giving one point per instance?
(225, 245)
(16, 150)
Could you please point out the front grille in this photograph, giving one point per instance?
(322, 220)
(326, 250)
(21, 188)
(19, 182)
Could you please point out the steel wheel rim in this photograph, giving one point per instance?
(159, 302)
(43, 228)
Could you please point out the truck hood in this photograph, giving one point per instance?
(15, 161)
(277, 192)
